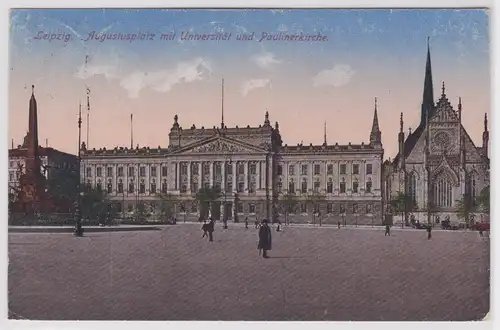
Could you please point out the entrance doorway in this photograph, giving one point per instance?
(228, 211)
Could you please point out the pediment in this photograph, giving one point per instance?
(445, 169)
(444, 113)
(219, 145)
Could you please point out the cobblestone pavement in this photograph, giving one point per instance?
(313, 274)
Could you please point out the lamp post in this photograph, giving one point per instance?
(225, 190)
(78, 231)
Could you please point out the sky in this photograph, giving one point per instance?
(361, 55)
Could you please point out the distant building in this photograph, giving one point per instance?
(252, 167)
(438, 164)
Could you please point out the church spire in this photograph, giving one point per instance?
(486, 136)
(428, 94)
(375, 135)
(324, 137)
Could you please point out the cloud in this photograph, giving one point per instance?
(163, 81)
(340, 75)
(265, 60)
(250, 85)
(88, 71)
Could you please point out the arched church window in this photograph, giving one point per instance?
(473, 191)
(442, 191)
(412, 187)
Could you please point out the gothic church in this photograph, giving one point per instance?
(438, 164)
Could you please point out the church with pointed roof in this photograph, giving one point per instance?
(437, 167)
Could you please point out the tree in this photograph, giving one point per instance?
(167, 206)
(466, 208)
(484, 200)
(403, 203)
(314, 199)
(288, 204)
(96, 206)
(206, 196)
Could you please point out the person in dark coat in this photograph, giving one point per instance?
(387, 230)
(429, 230)
(264, 238)
(246, 222)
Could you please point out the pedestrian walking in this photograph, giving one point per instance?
(264, 238)
(481, 231)
(246, 222)
(387, 230)
(429, 230)
(338, 223)
(278, 228)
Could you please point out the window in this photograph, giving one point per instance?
(229, 168)
(251, 208)
(473, 190)
(316, 186)
(110, 187)
(291, 170)
(303, 208)
(442, 191)
(153, 171)
(229, 186)
(241, 168)
(251, 187)
(194, 187)
(142, 171)
(303, 169)
(291, 187)
(130, 207)
(164, 186)
(279, 170)
(130, 171)
(343, 168)
(11, 176)
(184, 188)
(329, 169)
(120, 171)
(369, 186)
(164, 171)
(153, 188)
(89, 171)
(241, 187)
(253, 168)
(355, 168)
(142, 188)
(99, 172)
(131, 188)
(355, 187)
(279, 186)
(329, 208)
(99, 186)
(304, 187)
(239, 207)
(206, 169)
(342, 186)
(206, 185)
(342, 209)
(194, 208)
(11, 164)
(354, 208)
(195, 168)
(317, 169)
(109, 171)
(120, 187)
(369, 208)
(329, 186)
(369, 169)
(316, 208)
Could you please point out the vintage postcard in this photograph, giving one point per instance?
(249, 164)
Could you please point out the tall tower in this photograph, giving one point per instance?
(428, 93)
(375, 134)
(32, 157)
(401, 142)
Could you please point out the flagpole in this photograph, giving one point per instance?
(131, 131)
(88, 117)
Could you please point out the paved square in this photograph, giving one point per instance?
(315, 274)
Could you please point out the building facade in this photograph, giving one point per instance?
(257, 175)
(437, 165)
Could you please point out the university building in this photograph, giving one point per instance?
(257, 174)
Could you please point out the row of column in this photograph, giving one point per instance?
(235, 174)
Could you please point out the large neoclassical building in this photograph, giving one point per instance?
(258, 175)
